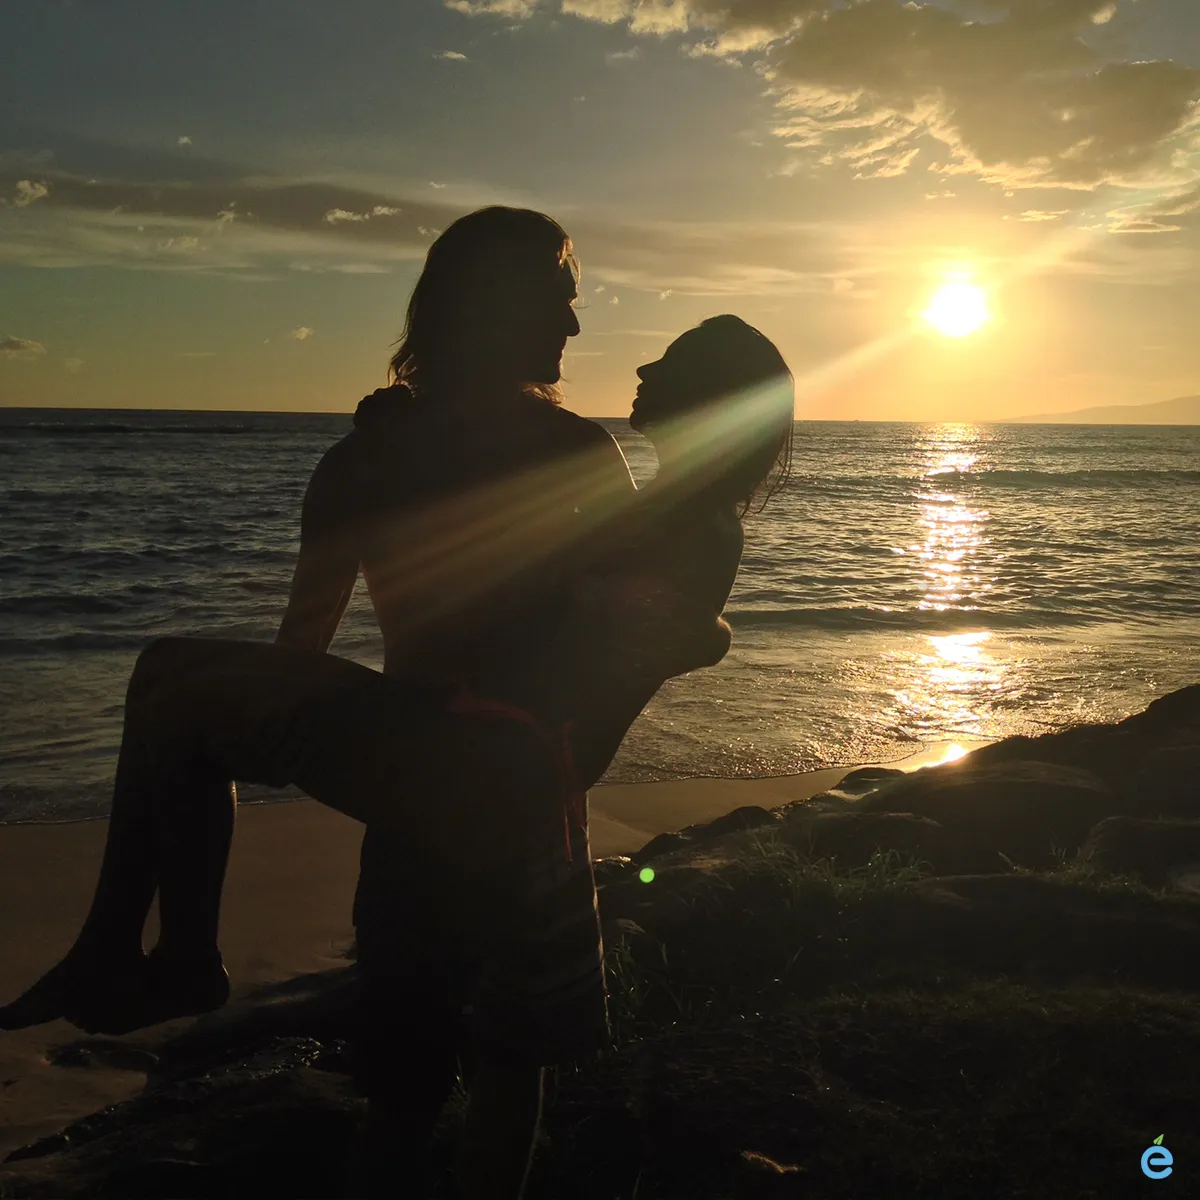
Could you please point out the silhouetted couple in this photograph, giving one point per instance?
(531, 603)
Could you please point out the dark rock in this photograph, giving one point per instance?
(319, 1009)
(1168, 782)
(238, 1130)
(1150, 850)
(663, 843)
(1117, 753)
(1025, 810)
(612, 868)
(749, 816)
(867, 779)
(851, 838)
(102, 1052)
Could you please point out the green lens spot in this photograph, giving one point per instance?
(646, 874)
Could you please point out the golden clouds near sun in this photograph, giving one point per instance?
(957, 309)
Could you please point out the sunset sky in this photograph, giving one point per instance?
(226, 204)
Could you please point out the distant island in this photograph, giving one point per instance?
(1183, 410)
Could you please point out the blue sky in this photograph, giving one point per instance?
(226, 205)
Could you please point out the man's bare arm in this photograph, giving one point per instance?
(327, 566)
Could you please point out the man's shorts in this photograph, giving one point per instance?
(527, 980)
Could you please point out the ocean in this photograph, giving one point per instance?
(914, 584)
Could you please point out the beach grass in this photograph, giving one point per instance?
(770, 1031)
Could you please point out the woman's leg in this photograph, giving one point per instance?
(108, 951)
(200, 713)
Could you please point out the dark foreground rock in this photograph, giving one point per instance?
(1157, 852)
(1026, 811)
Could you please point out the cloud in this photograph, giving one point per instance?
(131, 222)
(334, 215)
(664, 295)
(28, 191)
(944, 194)
(436, 185)
(1143, 227)
(618, 56)
(1038, 214)
(452, 56)
(198, 354)
(1019, 98)
(184, 141)
(518, 9)
(614, 300)
(302, 333)
(15, 347)
(1022, 101)
(606, 12)
(73, 365)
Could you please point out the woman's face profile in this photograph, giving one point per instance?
(669, 383)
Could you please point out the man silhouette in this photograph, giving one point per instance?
(459, 495)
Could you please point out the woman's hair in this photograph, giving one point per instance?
(747, 394)
(471, 272)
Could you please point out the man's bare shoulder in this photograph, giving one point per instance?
(584, 430)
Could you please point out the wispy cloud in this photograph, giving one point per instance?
(184, 140)
(15, 347)
(452, 56)
(73, 366)
(302, 333)
(518, 9)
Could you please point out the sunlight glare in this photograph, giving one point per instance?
(957, 309)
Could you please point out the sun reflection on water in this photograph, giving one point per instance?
(948, 682)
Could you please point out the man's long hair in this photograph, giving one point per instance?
(472, 272)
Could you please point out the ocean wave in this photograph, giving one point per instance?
(58, 605)
(865, 617)
(75, 429)
(998, 478)
(1034, 479)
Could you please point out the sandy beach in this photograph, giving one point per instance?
(286, 912)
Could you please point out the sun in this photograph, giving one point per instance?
(957, 309)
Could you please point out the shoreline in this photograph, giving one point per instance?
(930, 754)
(286, 912)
